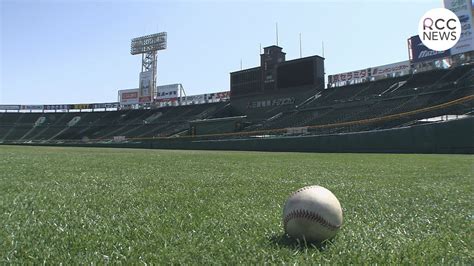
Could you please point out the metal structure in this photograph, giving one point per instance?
(148, 46)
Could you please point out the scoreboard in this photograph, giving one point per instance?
(285, 76)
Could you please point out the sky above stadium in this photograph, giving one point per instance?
(61, 52)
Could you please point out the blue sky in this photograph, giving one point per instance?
(78, 51)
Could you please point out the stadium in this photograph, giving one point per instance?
(417, 100)
(422, 105)
(160, 176)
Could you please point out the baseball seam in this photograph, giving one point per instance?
(301, 189)
(312, 216)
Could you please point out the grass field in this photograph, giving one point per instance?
(86, 205)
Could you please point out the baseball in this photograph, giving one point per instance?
(312, 213)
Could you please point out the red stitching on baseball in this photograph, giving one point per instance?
(301, 189)
(305, 214)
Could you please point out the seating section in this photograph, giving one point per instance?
(333, 106)
(165, 121)
(364, 101)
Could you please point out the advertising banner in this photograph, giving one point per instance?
(82, 106)
(349, 76)
(57, 107)
(217, 96)
(419, 52)
(168, 92)
(145, 99)
(195, 99)
(223, 95)
(395, 69)
(98, 105)
(128, 96)
(111, 105)
(32, 107)
(9, 107)
(145, 89)
(464, 10)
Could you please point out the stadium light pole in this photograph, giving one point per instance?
(148, 46)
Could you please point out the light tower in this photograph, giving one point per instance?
(148, 47)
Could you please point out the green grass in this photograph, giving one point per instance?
(86, 205)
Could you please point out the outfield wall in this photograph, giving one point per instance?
(455, 136)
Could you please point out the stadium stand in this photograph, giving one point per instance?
(333, 110)
(380, 98)
(164, 121)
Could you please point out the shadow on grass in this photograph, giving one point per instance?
(283, 240)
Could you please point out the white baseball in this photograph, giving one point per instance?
(312, 213)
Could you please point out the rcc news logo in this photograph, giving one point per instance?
(439, 29)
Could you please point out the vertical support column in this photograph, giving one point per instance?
(149, 63)
(153, 85)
